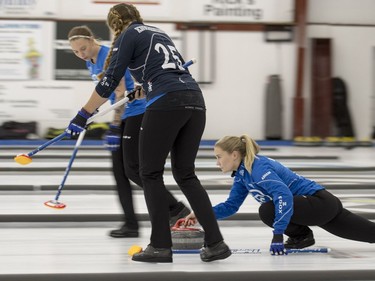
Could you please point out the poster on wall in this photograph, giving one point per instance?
(48, 103)
(67, 65)
(28, 8)
(24, 53)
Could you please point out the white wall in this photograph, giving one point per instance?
(342, 11)
(351, 26)
(235, 101)
(352, 53)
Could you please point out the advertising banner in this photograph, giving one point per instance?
(244, 11)
(25, 50)
(28, 8)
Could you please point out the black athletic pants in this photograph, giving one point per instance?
(325, 210)
(125, 163)
(178, 132)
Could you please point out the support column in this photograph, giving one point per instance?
(321, 88)
(298, 100)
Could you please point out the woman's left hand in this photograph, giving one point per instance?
(277, 245)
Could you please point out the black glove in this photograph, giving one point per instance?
(277, 245)
(132, 94)
(78, 123)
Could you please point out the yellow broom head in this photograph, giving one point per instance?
(23, 159)
(135, 249)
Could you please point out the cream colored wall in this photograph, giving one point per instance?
(235, 100)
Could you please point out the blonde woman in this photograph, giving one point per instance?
(173, 123)
(289, 202)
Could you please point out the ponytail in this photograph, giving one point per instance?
(251, 149)
(119, 18)
(245, 145)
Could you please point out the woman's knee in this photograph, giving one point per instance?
(183, 175)
(267, 213)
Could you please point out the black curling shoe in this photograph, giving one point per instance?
(219, 251)
(124, 232)
(151, 254)
(300, 242)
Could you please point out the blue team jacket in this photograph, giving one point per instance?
(268, 181)
(131, 109)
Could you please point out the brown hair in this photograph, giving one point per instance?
(245, 145)
(82, 31)
(119, 17)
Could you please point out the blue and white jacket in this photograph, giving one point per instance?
(268, 181)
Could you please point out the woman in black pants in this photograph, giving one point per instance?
(122, 137)
(173, 122)
(289, 202)
(125, 163)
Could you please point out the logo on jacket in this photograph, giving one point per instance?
(266, 174)
(104, 82)
(281, 203)
(260, 196)
(149, 88)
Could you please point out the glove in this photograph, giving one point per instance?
(78, 123)
(277, 245)
(113, 138)
(135, 93)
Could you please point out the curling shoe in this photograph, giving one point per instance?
(300, 242)
(181, 214)
(151, 254)
(124, 232)
(219, 251)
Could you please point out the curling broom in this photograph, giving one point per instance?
(59, 205)
(25, 158)
(323, 250)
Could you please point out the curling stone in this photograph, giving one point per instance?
(186, 237)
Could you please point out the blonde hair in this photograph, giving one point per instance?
(245, 145)
(119, 17)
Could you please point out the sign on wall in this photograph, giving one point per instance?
(149, 9)
(32, 100)
(245, 11)
(24, 51)
(28, 8)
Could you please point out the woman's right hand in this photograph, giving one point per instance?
(190, 220)
(136, 94)
(140, 94)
